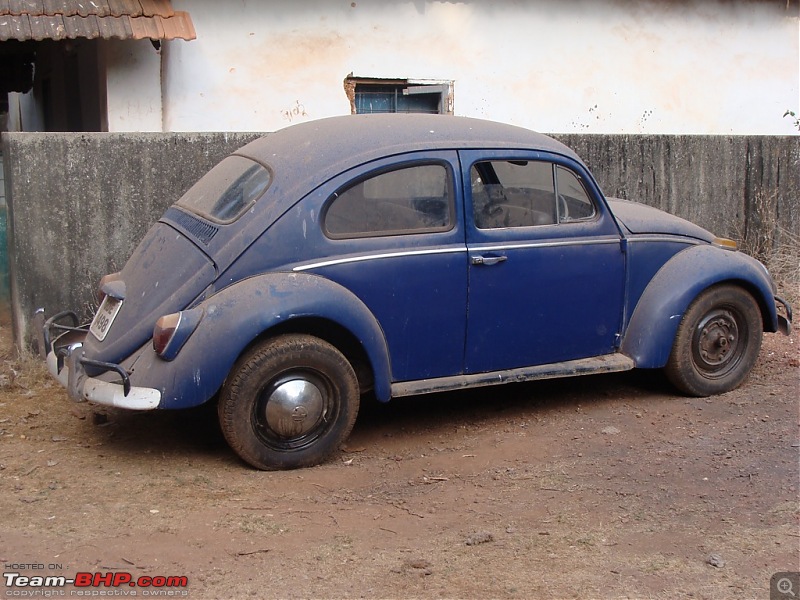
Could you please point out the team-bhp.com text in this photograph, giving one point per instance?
(94, 584)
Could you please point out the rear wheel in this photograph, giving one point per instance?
(289, 402)
(717, 343)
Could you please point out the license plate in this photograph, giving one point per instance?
(105, 317)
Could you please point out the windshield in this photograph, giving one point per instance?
(228, 190)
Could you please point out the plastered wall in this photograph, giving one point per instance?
(584, 66)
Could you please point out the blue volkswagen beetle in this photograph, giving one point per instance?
(404, 254)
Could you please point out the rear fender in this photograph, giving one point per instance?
(650, 334)
(242, 312)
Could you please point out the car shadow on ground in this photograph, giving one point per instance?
(512, 401)
(195, 432)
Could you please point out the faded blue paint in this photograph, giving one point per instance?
(165, 273)
(654, 323)
(557, 298)
(236, 316)
(418, 303)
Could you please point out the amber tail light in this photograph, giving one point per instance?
(172, 331)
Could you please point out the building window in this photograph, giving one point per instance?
(399, 96)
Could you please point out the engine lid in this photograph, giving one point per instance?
(165, 273)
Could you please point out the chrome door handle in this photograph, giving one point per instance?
(477, 259)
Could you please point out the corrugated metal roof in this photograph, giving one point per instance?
(69, 19)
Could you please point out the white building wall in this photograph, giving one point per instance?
(24, 114)
(594, 66)
(133, 86)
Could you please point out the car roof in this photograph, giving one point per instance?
(306, 155)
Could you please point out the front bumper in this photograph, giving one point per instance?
(784, 320)
(67, 363)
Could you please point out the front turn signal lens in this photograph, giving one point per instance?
(725, 243)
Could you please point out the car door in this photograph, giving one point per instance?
(393, 234)
(546, 267)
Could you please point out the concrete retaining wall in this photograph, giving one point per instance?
(743, 187)
(79, 203)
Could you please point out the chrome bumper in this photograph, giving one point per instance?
(66, 362)
(784, 322)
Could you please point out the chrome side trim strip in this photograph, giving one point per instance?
(366, 257)
(461, 249)
(655, 237)
(489, 247)
(555, 244)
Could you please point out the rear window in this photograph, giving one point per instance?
(228, 190)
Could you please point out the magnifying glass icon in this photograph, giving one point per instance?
(786, 587)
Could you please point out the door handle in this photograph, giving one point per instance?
(488, 261)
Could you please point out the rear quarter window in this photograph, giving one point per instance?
(410, 199)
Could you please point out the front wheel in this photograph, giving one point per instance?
(289, 402)
(717, 343)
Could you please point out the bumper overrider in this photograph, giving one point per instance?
(784, 320)
(62, 347)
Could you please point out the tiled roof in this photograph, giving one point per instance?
(69, 19)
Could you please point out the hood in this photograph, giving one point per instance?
(640, 218)
(165, 273)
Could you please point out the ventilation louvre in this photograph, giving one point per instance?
(194, 226)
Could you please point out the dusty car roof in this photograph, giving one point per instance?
(317, 150)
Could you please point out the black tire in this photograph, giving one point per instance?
(288, 403)
(717, 343)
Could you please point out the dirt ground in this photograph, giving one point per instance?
(606, 486)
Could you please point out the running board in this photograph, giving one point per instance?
(608, 363)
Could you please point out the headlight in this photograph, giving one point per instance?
(172, 331)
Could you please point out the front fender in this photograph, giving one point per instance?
(654, 323)
(237, 315)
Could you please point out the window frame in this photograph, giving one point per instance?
(586, 193)
(364, 177)
(407, 87)
(554, 166)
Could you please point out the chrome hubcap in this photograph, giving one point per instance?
(294, 408)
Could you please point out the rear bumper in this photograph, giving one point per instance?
(66, 363)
